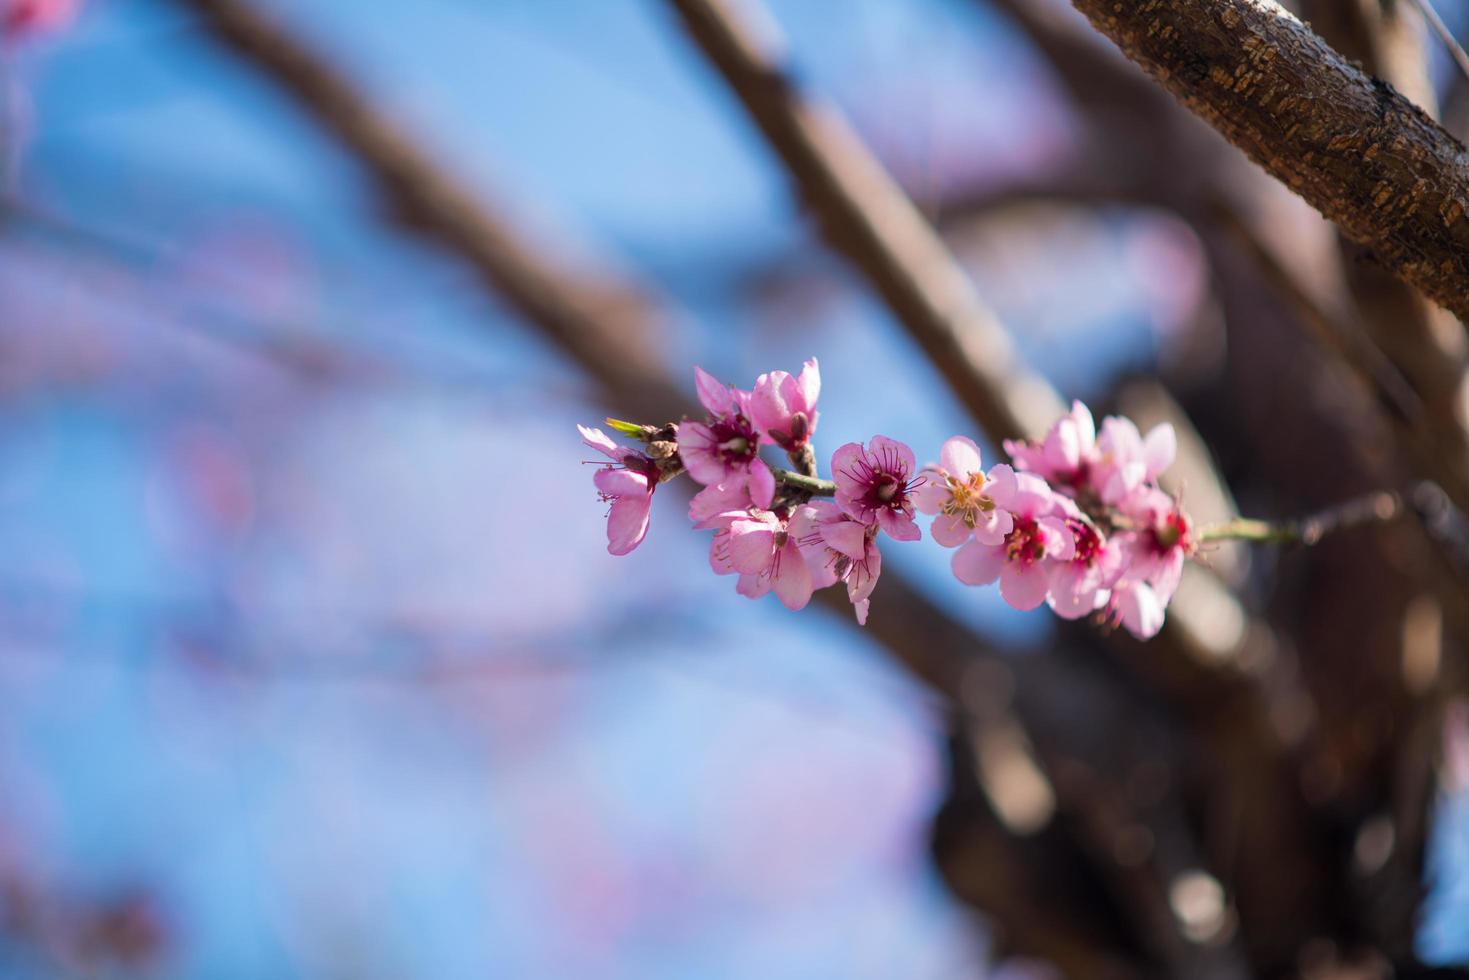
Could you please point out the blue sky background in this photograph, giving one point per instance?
(338, 671)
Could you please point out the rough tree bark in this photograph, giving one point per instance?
(1368, 159)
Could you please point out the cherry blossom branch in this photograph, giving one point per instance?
(813, 485)
(1381, 507)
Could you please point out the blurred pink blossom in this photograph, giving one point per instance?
(22, 18)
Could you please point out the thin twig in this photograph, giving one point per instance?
(811, 484)
(1455, 49)
(1373, 508)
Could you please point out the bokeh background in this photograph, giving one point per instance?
(314, 663)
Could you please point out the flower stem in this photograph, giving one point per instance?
(815, 486)
(1373, 508)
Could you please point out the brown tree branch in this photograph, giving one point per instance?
(1368, 159)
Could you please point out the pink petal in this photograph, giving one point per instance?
(1147, 505)
(843, 472)
(853, 507)
(713, 501)
(1032, 496)
(1063, 446)
(601, 442)
(978, 564)
(822, 567)
(960, 457)
(862, 578)
(1074, 592)
(713, 393)
(1026, 456)
(992, 527)
(761, 484)
(847, 537)
(1003, 485)
(1024, 586)
(1159, 449)
(719, 554)
(1124, 480)
(620, 483)
(741, 401)
(1086, 427)
(1059, 542)
(929, 497)
(860, 607)
(1140, 609)
(627, 523)
(768, 403)
(1165, 581)
(1110, 564)
(753, 586)
(792, 579)
(802, 523)
(1120, 437)
(891, 449)
(790, 395)
(751, 546)
(809, 386)
(697, 450)
(949, 530)
(898, 525)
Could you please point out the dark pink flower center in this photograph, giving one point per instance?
(735, 440)
(1171, 532)
(884, 480)
(1026, 542)
(1088, 541)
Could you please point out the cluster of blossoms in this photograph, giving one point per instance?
(1076, 521)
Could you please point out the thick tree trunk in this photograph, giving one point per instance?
(1390, 177)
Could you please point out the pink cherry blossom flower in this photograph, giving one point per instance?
(724, 450)
(19, 18)
(784, 407)
(762, 549)
(1126, 461)
(1081, 584)
(1020, 562)
(874, 485)
(1066, 455)
(1161, 540)
(839, 549)
(627, 483)
(964, 498)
